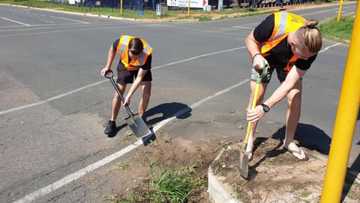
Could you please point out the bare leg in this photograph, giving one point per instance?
(146, 93)
(292, 120)
(262, 90)
(116, 102)
(293, 112)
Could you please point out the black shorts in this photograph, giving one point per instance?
(126, 77)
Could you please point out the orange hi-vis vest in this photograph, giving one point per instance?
(284, 23)
(123, 50)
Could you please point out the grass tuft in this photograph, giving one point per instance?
(166, 185)
(339, 30)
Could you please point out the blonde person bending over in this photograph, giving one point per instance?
(287, 43)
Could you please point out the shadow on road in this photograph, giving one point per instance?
(165, 111)
(351, 177)
(309, 136)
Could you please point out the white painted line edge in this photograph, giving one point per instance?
(329, 47)
(70, 19)
(15, 21)
(78, 174)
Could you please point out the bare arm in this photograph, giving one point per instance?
(256, 59)
(293, 76)
(110, 59)
(252, 45)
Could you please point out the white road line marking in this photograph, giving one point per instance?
(334, 41)
(11, 26)
(38, 25)
(197, 57)
(46, 26)
(66, 30)
(223, 34)
(246, 25)
(197, 104)
(50, 99)
(236, 27)
(70, 19)
(329, 47)
(102, 81)
(82, 172)
(15, 21)
(78, 174)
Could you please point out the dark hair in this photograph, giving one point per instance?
(136, 46)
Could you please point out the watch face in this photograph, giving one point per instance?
(265, 107)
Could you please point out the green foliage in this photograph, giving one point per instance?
(341, 30)
(204, 18)
(166, 185)
(172, 186)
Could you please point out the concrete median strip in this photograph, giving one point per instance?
(275, 176)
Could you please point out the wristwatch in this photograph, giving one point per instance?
(265, 107)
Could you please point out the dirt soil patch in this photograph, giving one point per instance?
(166, 153)
(275, 175)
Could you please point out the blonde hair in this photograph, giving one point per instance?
(312, 36)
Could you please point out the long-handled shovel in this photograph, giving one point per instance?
(135, 122)
(244, 156)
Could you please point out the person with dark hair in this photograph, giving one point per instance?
(287, 43)
(135, 56)
(279, 3)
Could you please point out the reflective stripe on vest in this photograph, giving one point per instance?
(281, 25)
(284, 23)
(122, 50)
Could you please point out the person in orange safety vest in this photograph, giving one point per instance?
(287, 43)
(135, 56)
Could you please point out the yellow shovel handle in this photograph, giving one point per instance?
(253, 104)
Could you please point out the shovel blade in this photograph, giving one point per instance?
(138, 126)
(244, 165)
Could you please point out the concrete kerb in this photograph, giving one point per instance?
(219, 192)
(95, 15)
(135, 19)
(69, 12)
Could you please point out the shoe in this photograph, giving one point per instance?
(110, 128)
(296, 151)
